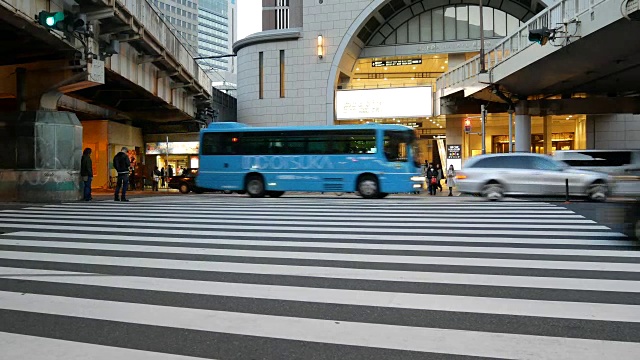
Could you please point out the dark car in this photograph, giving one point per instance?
(185, 182)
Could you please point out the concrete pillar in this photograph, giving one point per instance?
(523, 127)
(547, 129)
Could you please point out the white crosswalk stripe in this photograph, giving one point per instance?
(229, 277)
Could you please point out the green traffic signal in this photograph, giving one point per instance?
(51, 20)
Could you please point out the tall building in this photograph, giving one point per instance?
(217, 33)
(183, 17)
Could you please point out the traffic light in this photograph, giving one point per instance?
(467, 125)
(69, 22)
(541, 36)
(51, 20)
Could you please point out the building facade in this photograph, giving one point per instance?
(182, 15)
(325, 62)
(217, 32)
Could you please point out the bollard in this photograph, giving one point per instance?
(566, 183)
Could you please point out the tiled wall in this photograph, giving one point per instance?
(613, 131)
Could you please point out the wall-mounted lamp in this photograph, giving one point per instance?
(320, 47)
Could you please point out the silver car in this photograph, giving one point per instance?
(496, 175)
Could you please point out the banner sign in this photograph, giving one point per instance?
(390, 103)
(185, 147)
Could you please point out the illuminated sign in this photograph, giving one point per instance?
(396, 62)
(453, 151)
(185, 147)
(384, 103)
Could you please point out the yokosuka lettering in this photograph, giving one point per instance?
(287, 162)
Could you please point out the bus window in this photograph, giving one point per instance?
(219, 144)
(395, 145)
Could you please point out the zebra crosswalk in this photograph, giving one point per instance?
(230, 277)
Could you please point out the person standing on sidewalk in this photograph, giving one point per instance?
(432, 178)
(122, 164)
(86, 171)
(451, 175)
(156, 178)
(439, 176)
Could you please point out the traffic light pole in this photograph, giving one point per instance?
(510, 130)
(483, 120)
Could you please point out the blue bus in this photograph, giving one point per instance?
(370, 159)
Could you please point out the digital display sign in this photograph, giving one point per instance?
(380, 63)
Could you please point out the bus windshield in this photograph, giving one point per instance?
(399, 144)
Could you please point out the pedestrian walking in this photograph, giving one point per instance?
(432, 179)
(122, 165)
(163, 176)
(170, 172)
(86, 171)
(451, 175)
(156, 179)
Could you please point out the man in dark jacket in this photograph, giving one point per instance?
(86, 171)
(122, 163)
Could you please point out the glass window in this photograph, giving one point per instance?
(487, 21)
(437, 24)
(261, 75)
(401, 32)
(281, 73)
(474, 22)
(425, 26)
(500, 23)
(450, 23)
(462, 22)
(414, 29)
(396, 144)
(541, 163)
(219, 144)
(513, 24)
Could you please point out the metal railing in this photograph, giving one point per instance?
(564, 11)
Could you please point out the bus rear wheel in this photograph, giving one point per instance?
(255, 186)
(368, 187)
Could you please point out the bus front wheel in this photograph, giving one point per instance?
(368, 187)
(255, 186)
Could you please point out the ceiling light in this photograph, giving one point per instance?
(358, 79)
(357, 69)
(570, 116)
(413, 78)
(385, 79)
(414, 68)
(446, 61)
(441, 67)
(385, 68)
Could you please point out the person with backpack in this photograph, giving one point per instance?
(122, 164)
(432, 179)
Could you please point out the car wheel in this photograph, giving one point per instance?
(368, 187)
(597, 192)
(255, 186)
(184, 188)
(493, 192)
(275, 194)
